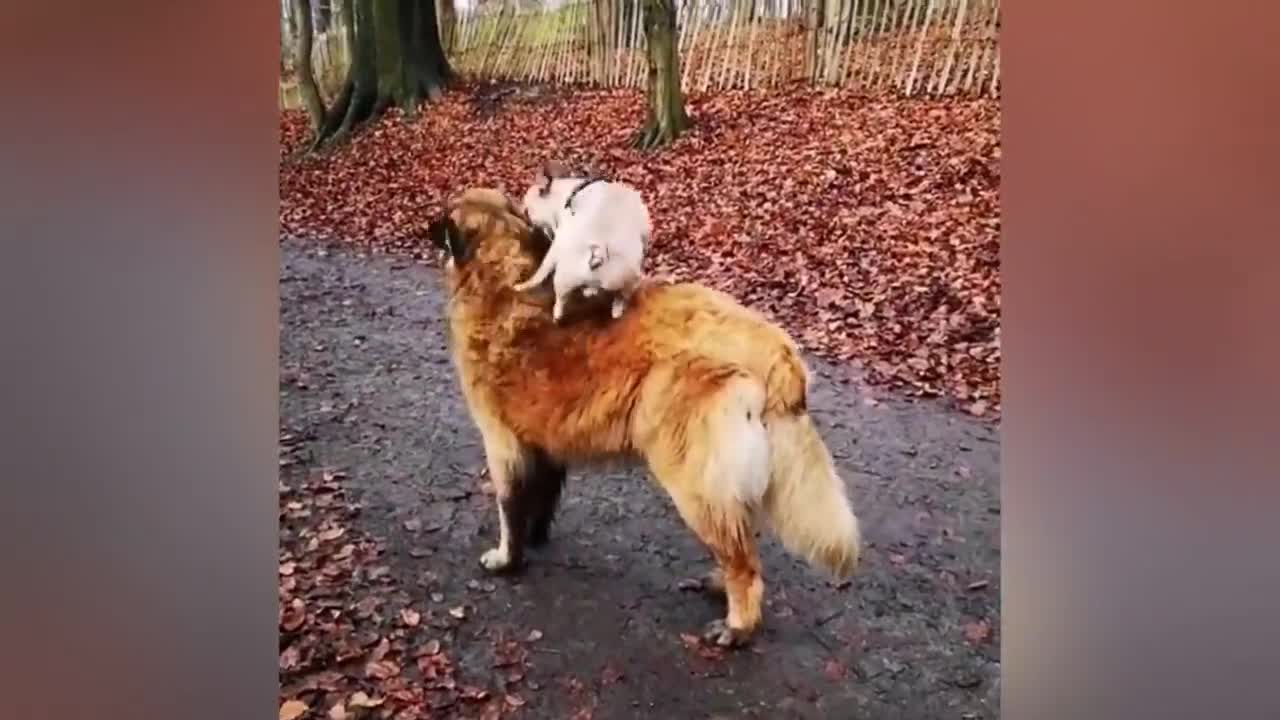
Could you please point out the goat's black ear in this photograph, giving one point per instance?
(445, 235)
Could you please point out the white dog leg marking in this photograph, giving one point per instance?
(557, 312)
(500, 557)
(619, 304)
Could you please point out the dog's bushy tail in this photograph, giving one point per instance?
(805, 502)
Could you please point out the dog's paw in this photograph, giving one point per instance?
(616, 310)
(522, 287)
(718, 632)
(590, 291)
(711, 583)
(496, 560)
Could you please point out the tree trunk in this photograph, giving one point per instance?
(320, 16)
(396, 59)
(667, 117)
(302, 66)
(347, 19)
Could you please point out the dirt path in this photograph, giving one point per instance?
(366, 382)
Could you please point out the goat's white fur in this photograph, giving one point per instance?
(598, 243)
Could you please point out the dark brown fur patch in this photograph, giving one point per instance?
(542, 483)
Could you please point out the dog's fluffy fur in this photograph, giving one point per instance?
(706, 392)
(599, 242)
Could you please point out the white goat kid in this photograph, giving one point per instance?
(600, 231)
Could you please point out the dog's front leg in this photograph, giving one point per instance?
(504, 460)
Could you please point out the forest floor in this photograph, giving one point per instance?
(870, 228)
(384, 510)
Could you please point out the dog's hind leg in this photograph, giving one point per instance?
(622, 296)
(724, 525)
(714, 462)
(727, 533)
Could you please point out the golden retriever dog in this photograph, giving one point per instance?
(707, 393)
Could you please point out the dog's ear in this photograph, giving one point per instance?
(446, 235)
(551, 170)
(554, 169)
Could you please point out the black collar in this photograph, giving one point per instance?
(579, 189)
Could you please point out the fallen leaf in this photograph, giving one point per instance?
(514, 701)
(379, 652)
(338, 712)
(360, 699)
(292, 709)
(410, 617)
(834, 670)
(290, 657)
(382, 670)
(431, 648)
(413, 525)
(286, 569)
(459, 612)
(977, 632)
(332, 534)
(610, 675)
(534, 636)
(367, 606)
(293, 616)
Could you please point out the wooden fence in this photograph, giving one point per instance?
(893, 47)
(907, 47)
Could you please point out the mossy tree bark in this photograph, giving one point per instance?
(302, 66)
(396, 59)
(667, 117)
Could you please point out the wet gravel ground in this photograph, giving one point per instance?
(367, 384)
